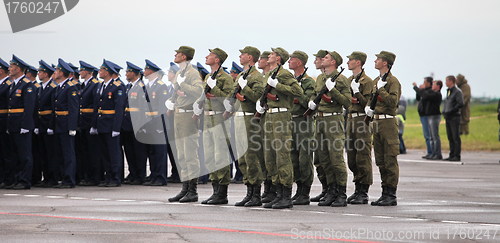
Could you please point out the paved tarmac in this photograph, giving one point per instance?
(437, 202)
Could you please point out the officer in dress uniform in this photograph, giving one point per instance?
(36, 179)
(45, 120)
(66, 108)
(6, 176)
(88, 165)
(135, 151)
(20, 123)
(107, 121)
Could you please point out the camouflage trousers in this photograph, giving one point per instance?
(386, 147)
(216, 150)
(250, 161)
(359, 148)
(302, 154)
(330, 139)
(186, 139)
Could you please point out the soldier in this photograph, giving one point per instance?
(188, 87)
(359, 137)
(135, 151)
(6, 176)
(88, 164)
(36, 179)
(262, 63)
(318, 63)
(174, 173)
(215, 135)
(45, 113)
(20, 123)
(277, 127)
(463, 85)
(157, 153)
(302, 132)
(31, 74)
(107, 121)
(385, 129)
(250, 90)
(330, 134)
(66, 108)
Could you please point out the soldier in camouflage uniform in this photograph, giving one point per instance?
(302, 132)
(330, 134)
(277, 127)
(385, 128)
(359, 137)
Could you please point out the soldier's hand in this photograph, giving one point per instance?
(93, 131)
(228, 106)
(312, 105)
(242, 82)
(50, 131)
(414, 84)
(115, 134)
(170, 105)
(272, 82)
(180, 79)
(381, 84)
(259, 108)
(196, 109)
(369, 112)
(330, 84)
(72, 132)
(23, 131)
(355, 87)
(36, 131)
(211, 82)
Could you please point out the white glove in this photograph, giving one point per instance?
(23, 131)
(242, 82)
(50, 131)
(180, 79)
(93, 131)
(381, 84)
(368, 111)
(36, 131)
(272, 82)
(72, 132)
(355, 87)
(329, 84)
(170, 105)
(167, 83)
(115, 134)
(259, 108)
(312, 105)
(159, 131)
(196, 109)
(228, 106)
(211, 82)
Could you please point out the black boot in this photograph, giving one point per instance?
(286, 199)
(215, 189)
(329, 196)
(388, 197)
(255, 199)
(271, 194)
(362, 197)
(181, 194)
(303, 198)
(220, 197)
(192, 193)
(247, 197)
(279, 194)
(299, 189)
(340, 199)
(324, 186)
(354, 195)
(267, 187)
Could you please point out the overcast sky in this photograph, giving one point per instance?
(441, 36)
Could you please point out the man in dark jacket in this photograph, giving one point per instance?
(434, 98)
(422, 112)
(451, 111)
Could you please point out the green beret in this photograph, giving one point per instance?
(302, 56)
(336, 56)
(265, 54)
(252, 51)
(186, 50)
(357, 55)
(282, 53)
(321, 53)
(220, 53)
(388, 56)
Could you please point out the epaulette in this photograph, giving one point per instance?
(53, 85)
(95, 81)
(160, 82)
(117, 83)
(37, 85)
(26, 80)
(75, 82)
(8, 82)
(141, 84)
(70, 83)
